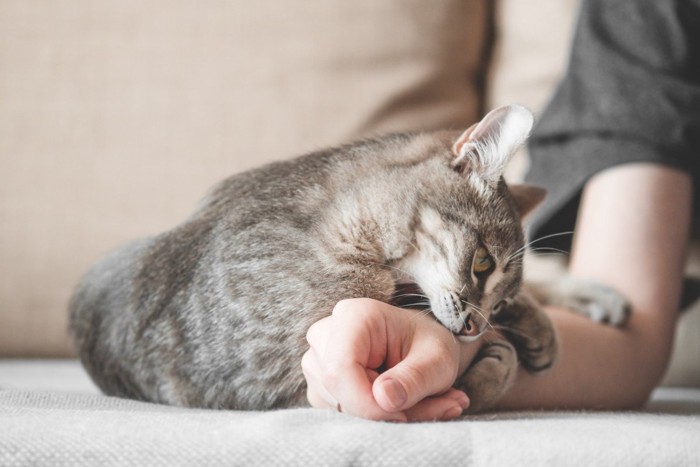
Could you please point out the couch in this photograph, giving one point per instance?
(117, 116)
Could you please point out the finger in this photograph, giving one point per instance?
(315, 392)
(371, 374)
(460, 397)
(430, 367)
(317, 334)
(315, 400)
(357, 342)
(445, 406)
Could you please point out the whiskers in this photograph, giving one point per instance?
(416, 301)
(408, 240)
(512, 330)
(402, 271)
(518, 254)
(410, 289)
(478, 310)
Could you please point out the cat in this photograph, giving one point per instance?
(214, 312)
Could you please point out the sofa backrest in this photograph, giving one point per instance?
(116, 117)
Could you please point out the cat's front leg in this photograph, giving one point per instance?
(594, 300)
(490, 375)
(523, 322)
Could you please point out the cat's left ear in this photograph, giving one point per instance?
(487, 147)
(527, 198)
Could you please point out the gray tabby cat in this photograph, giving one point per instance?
(214, 312)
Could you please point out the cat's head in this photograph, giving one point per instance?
(467, 245)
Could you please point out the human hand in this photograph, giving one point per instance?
(422, 360)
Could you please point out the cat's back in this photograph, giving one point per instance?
(212, 282)
(95, 306)
(305, 183)
(120, 307)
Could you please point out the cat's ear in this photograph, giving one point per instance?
(487, 147)
(527, 198)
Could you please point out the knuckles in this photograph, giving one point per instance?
(332, 377)
(312, 334)
(358, 308)
(307, 365)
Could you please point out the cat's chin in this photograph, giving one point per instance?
(465, 338)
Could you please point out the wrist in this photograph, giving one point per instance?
(467, 353)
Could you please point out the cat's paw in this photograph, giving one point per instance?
(531, 332)
(537, 347)
(598, 302)
(491, 374)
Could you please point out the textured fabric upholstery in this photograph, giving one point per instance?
(116, 117)
(66, 429)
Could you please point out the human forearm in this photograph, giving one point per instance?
(631, 235)
(601, 367)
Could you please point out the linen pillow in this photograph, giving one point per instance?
(116, 117)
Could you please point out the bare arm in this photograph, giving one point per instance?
(632, 233)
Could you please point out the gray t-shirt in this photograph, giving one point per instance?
(631, 94)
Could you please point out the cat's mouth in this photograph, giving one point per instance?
(470, 330)
(410, 295)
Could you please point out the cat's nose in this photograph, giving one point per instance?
(470, 328)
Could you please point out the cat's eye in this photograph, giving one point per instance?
(499, 306)
(482, 261)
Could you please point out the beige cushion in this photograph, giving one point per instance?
(116, 117)
(529, 56)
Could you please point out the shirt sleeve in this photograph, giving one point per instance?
(631, 94)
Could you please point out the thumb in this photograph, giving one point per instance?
(428, 369)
